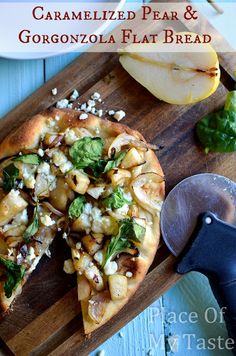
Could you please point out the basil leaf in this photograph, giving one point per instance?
(104, 166)
(14, 274)
(86, 151)
(116, 200)
(98, 167)
(29, 158)
(76, 207)
(116, 245)
(132, 230)
(230, 103)
(10, 175)
(111, 164)
(217, 131)
(32, 228)
(129, 231)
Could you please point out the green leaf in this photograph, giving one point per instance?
(116, 245)
(230, 104)
(104, 166)
(14, 274)
(10, 175)
(132, 230)
(86, 151)
(111, 164)
(98, 167)
(29, 158)
(129, 231)
(76, 207)
(217, 131)
(33, 227)
(116, 200)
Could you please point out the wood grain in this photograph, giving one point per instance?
(58, 319)
(80, 73)
(162, 279)
(48, 305)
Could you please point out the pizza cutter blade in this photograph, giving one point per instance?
(192, 197)
(198, 224)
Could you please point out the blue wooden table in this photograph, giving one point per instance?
(182, 321)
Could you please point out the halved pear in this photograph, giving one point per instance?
(175, 77)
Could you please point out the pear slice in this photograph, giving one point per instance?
(175, 77)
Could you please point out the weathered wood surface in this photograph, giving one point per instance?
(46, 317)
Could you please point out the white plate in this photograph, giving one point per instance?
(223, 23)
(70, 48)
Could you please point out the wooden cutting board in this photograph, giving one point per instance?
(46, 318)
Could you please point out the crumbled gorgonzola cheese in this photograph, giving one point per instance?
(88, 208)
(62, 104)
(99, 257)
(96, 213)
(97, 226)
(83, 116)
(52, 182)
(110, 268)
(40, 152)
(127, 196)
(123, 210)
(70, 137)
(119, 115)
(46, 220)
(91, 103)
(100, 113)
(21, 218)
(28, 175)
(129, 274)
(66, 167)
(74, 95)
(95, 192)
(68, 266)
(95, 96)
(30, 182)
(54, 91)
(83, 106)
(44, 168)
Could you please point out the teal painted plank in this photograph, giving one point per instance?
(193, 294)
(147, 332)
(142, 336)
(18, 79)
(55, 64)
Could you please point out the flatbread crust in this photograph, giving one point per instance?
(5, 303)
(28, 136)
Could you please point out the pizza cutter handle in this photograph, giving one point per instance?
(212, 251)
(225, 295)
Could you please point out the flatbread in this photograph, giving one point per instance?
(55, 131)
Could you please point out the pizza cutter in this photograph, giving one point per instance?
(198, 224)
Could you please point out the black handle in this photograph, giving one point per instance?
(212, 251)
